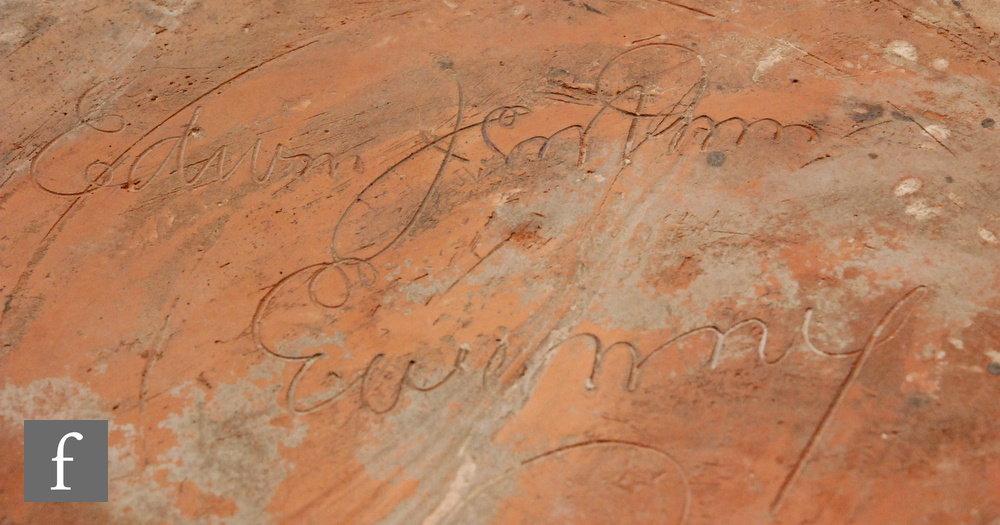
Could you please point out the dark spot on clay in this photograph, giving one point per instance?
(994, 368)
(918, 401)
(873, 155)
(795, 81)
(949, 179)
(899, 116)
(716, 158)
(446, 63)
(866, 112)
(988, 123)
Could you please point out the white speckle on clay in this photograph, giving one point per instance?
(14, 34)
(988, 236)
(921, 210)
(908, 186)
(776, 55)
(940, 64)
(902, 49)
(938, 131)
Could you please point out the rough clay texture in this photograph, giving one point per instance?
(465, 262)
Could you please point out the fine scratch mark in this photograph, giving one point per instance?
(171, 193)
(474, 266)
(863, 128)
(50, 235)
(874, 340)
(759, 32)
(208, 92)
(61, 217)
(910, 14)
(922, 128)
(648, 38)
(689, 8)
(817, 159)
(807, 53)
(756, 237)
(589, 444)
(36, 259)
(154, 354)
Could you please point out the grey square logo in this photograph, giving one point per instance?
(66, 460)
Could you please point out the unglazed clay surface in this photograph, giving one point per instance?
(480, 262)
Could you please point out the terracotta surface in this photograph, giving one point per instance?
(506, 262)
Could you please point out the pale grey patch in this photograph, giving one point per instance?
(419, 292)
(432, 443)
(131, 499)
(139, 498)
(304, 342)
(49, 398)
(267, 369)
(229, 447)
